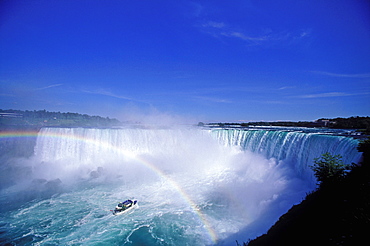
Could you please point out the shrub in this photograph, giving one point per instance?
(329, 168)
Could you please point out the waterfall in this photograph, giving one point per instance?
(85, 145)
(195, 186)
(297, 149)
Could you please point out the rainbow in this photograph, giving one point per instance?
(24, 134)
(18, 134)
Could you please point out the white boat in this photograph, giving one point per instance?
(124, 207)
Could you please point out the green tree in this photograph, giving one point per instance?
(329, 168)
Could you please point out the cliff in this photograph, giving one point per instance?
(333, 215)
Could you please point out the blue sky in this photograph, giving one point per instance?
(200, 60)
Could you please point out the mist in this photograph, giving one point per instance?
(152, 116)
(238, 193)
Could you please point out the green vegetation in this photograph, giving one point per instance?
(329, 168)
(364, 147)
(337, 213)
(349, 123)
(44, 118)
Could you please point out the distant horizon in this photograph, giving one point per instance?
(205, 122)
(187, 61)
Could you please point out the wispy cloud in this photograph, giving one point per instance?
(286, 87)
(244, 37)
(197, 9)
(214, 24)
(47, 87)
(343, 75)
(6, 95)
(105, 92)
(221, 29)
(212, 99)
(331, 94)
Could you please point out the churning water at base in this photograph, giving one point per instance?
(193, 186)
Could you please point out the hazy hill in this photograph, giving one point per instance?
(45, 118)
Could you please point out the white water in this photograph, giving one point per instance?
(296, 149)
(194, 187)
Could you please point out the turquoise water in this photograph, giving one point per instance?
(194, 187)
